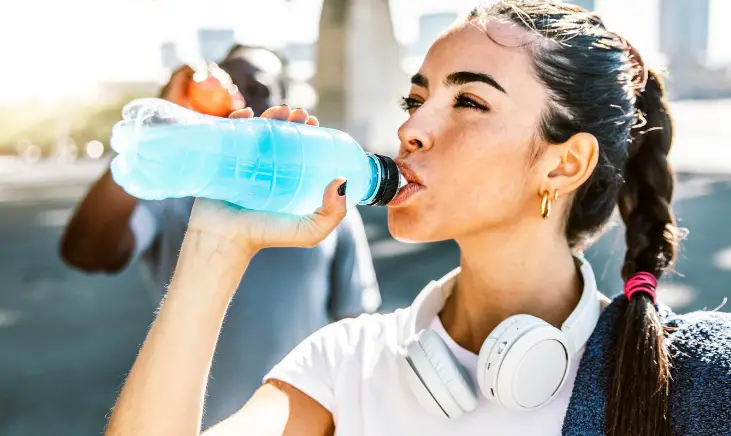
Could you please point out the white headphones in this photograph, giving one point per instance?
(522, 364)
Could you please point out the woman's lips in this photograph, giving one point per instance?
(405, 193)
(408, 172)
(414, 185)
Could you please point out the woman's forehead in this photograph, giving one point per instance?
(497, 48)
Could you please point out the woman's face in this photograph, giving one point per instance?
(475, 109)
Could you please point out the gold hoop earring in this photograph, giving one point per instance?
(547, 202)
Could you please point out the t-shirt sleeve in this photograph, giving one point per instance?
(145, 226)
(354, 287)
(312, 366)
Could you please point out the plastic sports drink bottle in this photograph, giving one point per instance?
(168, 151)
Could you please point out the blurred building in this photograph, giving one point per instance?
(169, 56)
(684, 30)
(430, 26)
(358, 74)
(589, 5)
(684, 39)
(214, 44)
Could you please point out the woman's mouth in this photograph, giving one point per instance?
(413, 186)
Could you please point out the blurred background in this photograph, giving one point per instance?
(67, 339)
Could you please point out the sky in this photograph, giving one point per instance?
(72, 43)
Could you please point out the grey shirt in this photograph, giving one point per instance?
(285, 295)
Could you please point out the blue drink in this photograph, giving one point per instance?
(167, 151)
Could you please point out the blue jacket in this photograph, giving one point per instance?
(700, 390)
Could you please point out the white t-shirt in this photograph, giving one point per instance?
(351, 368)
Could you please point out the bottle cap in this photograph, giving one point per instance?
(390, 182)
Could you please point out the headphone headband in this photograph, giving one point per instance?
(578, 327)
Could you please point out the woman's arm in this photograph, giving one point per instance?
(164, 392)
(277, 409)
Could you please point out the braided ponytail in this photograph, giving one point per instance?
(638, 400)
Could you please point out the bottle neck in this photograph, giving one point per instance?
(385, 181)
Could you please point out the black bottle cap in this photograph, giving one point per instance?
(389, 183)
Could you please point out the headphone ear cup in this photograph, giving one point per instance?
(489, 359)
(435, 377)
(523, 363)
(450, 372)
(417, 386)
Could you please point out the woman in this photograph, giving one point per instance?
(528, 123)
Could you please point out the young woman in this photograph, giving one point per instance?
(529, 123)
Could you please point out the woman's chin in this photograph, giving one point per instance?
(407, 227)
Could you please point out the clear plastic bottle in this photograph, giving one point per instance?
(167, 151)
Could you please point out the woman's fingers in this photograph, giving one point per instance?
(242, 113)
(283, 113)
(277, 113)
(313, 121)
(299, 116)
(333, 210)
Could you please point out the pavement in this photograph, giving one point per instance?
(68, 339)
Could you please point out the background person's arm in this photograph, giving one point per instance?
(100, 236)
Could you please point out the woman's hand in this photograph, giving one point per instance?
(254, 230)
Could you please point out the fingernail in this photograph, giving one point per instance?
(341, 189)
(284, 105)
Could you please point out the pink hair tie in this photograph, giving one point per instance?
(641, 282)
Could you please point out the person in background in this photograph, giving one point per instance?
(274, 310)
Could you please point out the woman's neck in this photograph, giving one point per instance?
(534, 276)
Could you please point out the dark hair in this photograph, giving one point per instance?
(237, 57)
(595, 86)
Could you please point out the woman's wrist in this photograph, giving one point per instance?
(211, 263)
(212, 242)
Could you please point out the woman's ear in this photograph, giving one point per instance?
(567, 166)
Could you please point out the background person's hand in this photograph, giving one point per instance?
(176, 90)
(254, 230)
(211, 94)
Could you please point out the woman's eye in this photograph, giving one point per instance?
(464, 101)
(410, 104)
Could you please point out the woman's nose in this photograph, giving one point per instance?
(413, 138)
